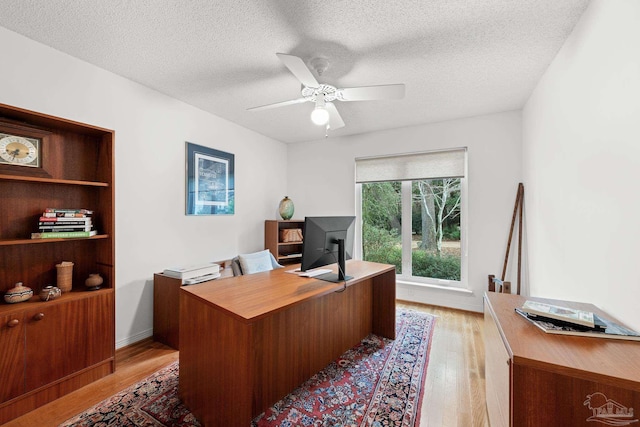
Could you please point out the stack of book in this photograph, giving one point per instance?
(57, 223)
(553, 319)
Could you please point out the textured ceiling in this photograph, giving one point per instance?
(457, 58)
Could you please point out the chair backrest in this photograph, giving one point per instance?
(255, 262)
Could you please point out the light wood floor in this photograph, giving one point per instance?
(454, 389)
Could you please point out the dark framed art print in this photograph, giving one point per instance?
(210, 181)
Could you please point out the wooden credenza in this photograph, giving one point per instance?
(535, 379)
(248, 341)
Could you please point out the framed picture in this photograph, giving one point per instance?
(210, 181)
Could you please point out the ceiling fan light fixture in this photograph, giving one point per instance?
(320, 115)
(323, 95)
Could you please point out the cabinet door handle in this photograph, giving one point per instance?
(13, 323)
(38, 316)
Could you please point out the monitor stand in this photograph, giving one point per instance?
(340, 276)
(332, 277)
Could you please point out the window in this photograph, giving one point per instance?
(413, 214)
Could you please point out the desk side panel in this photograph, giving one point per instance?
(215, 364)
(384, 304)
(294, 344)
(166, 313)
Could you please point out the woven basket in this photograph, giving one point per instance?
(290, 235)
(65, 274)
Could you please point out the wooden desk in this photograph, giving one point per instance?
(248, 341)
(537, 379)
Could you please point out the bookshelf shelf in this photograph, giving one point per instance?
(10, 242)
(41, 180)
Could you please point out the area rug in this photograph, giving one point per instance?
(377, 383)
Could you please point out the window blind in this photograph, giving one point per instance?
(426, 165)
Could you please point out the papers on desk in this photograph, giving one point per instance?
(310, 273)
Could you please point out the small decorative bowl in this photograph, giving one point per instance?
(49, 293)
(19, 293)
(93, 282)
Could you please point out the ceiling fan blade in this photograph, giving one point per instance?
(370, 93)
(299, 69)
(278, 104)
(335, 121)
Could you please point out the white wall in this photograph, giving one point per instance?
(321, 182)
(152, 231)
(582, 165)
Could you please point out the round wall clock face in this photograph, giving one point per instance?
(18, 150)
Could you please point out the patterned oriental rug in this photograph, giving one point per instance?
(377, 383)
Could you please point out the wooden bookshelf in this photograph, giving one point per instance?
(52, 348)
(284, 252)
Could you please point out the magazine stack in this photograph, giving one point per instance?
(57, 223)
(553, 319)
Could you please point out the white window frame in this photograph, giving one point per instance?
(407, 205)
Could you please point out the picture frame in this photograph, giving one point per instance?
(210, 181)
(17, 135)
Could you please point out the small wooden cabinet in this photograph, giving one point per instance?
(286, 252)
(535, 379)
(48, 349)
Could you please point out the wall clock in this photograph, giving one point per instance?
(23, 149)
(19, 150)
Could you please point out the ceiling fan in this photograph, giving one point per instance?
(325, 112)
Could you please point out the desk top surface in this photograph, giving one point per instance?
(529, 345)
(252, 296)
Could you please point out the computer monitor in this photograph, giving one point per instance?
(327, 240)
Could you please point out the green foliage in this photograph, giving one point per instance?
(425, 264)
(381, 214)
(385, 247)
(380, 245)
(451, 232)
(381, 204)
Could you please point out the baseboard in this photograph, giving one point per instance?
(134, 338)
(439, 297)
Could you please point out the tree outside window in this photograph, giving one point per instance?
(429, 245)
